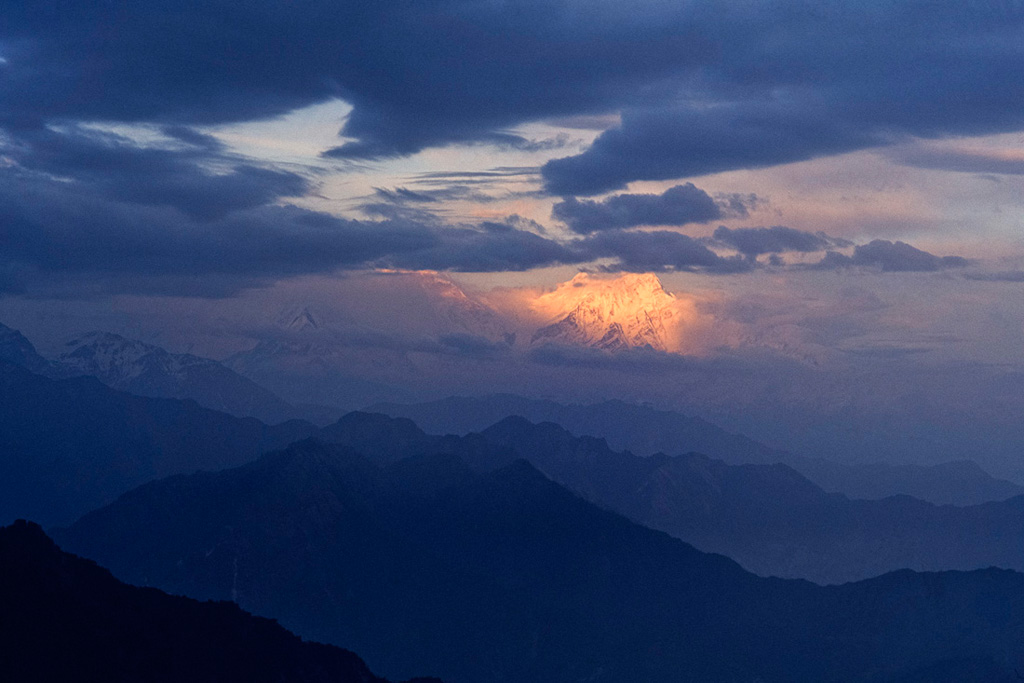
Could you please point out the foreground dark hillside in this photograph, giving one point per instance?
(66, 619)
(425, 565)
(69, 446)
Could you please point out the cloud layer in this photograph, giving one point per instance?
(688, 89)
(95, 212)
(891, 257)
(678, 205)
(753, 242)
(702, 86)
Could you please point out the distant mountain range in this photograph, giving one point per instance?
(65, 619)
(427, 565)
(645, 431)
(958, 482)
(769, 518)
(148, 370)
(68, 446)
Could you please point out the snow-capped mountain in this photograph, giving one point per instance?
(147, 370)
(459, 311)
(631, 311)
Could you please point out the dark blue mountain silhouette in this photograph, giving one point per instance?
(428, 565)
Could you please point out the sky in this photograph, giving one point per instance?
(834, 191)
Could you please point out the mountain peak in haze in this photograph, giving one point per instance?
(630, 311)
(111, 357)
(302, 319)
(148, 370)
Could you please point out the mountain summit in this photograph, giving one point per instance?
(631, 311)
(147, 370)
(300, 319)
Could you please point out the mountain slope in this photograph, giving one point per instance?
(147, 370)
(641, 429)
(631, 311)
(427, 565)
(645, 430)
(769, 518)
(16, 349)
(76, 622)
(68, 446)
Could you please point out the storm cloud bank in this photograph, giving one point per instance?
(701, 87)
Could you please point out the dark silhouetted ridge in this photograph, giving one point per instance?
(645, 430)
(66, 619)
(425, 565)
(69, 446)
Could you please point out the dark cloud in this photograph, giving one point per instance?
(702, 86)
(892, 257)
(79, 205)
(431, 200)
(739, 204)
(398, 211)
(401, 194)
(195, 180)
(191, 136)
(654, 251)
(817, 82)
(96, 212)
(509, 141)
(678, 205)
(753, 242)
(833, 260)
(53, 228)
(674, 142)
(962, 161)
(499, 173)
(435, 195)
(586, 122)
(56, 231)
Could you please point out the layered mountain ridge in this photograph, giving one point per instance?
(646, 430)
(504, 575)
(70, 445)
